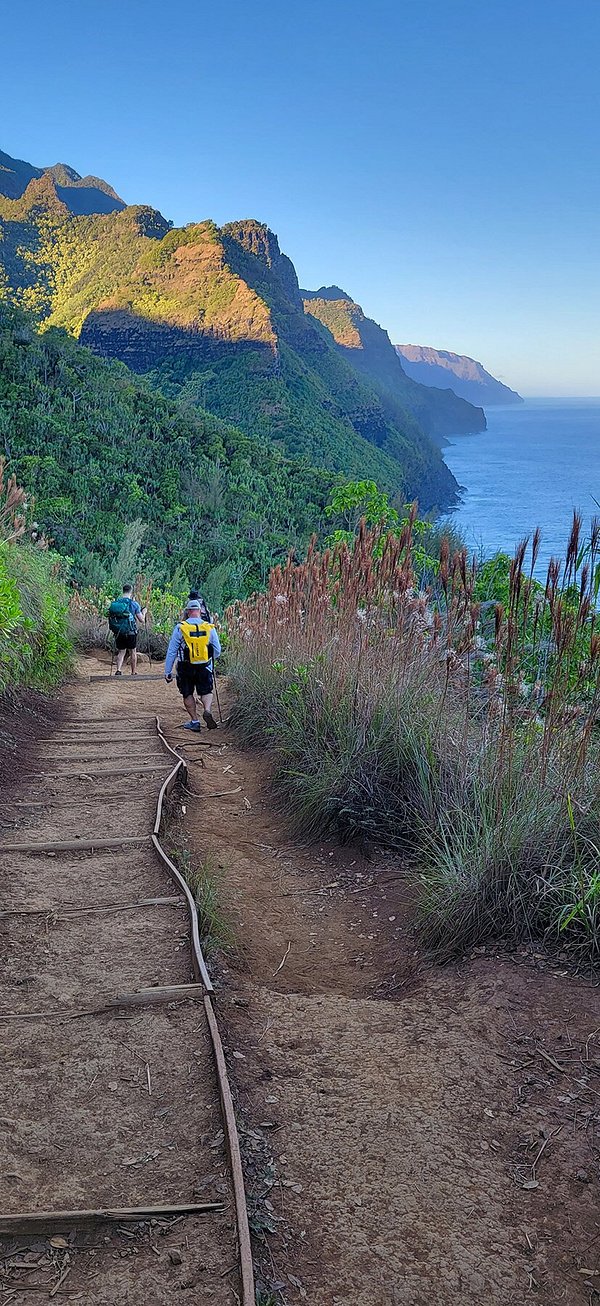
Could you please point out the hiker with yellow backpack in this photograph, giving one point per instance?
(193, 646)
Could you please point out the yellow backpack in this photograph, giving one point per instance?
(196, 635)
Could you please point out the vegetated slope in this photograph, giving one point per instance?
(57, 264)
(80, 194)
(468, 378)
(202, 332)
(218, 316)
(311, 363)
(99, 449)
(369, 349)
(34, 654)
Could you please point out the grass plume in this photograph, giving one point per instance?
(464, 732)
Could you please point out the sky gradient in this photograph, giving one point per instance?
(438, 161)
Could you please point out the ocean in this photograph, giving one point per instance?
(536, 462)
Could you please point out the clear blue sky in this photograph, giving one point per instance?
(439, 160)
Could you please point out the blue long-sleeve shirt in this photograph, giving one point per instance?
(177, 645)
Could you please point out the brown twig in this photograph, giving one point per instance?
(551, 1060)
(283, 959)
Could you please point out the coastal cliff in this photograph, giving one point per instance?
(467, 377)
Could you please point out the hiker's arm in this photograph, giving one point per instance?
(172, 651)
(215, 643)
(141, 616)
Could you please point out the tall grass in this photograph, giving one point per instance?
(205, 881)
(463, 733)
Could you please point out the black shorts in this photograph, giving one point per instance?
(126, 641)
(194, 679)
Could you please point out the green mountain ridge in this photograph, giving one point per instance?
(100, 450)
(216, 316)
(79, 194)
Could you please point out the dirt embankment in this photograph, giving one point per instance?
(415, 1136)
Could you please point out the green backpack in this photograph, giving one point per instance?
(120, 617)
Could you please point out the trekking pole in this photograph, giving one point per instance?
(217, 693)
(147, 639)
(147, 605)
(113, 649)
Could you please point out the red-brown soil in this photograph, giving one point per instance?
(395, 1117)
(415, 1135)
(118, 1108)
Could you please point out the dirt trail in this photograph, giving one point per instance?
(120, 1108)
(393, 1115)
(408, 1141)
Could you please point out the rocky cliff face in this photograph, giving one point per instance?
(258, 240)
(369, 349)
(145, 346)
(466, 377)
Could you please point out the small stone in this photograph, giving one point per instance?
(175, 1256)
(583, 1176)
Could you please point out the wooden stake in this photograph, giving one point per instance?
(30, 1221)
(142, 998)
(63, 913)
(72, 845)
(141, 675)
(157, 994)
(90, 774)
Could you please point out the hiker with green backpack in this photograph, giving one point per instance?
(193, 646)
(124, 616)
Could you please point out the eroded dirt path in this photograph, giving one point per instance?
(414, 1136)
(118, 1108)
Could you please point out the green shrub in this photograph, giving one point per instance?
(35, 647)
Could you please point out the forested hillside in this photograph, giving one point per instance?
(217, 316)
(109, 461)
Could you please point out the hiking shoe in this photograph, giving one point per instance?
(191, 725)
(210, 721)
(118, 673)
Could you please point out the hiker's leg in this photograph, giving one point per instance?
(191, 706)
(121, 658)
(206, 693)
(186, 687)
(133, 661)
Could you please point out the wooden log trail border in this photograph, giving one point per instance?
(16, 1223)
(35, 1221)
(179, 774)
